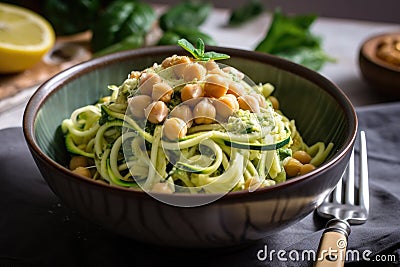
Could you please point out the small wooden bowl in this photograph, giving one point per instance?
(381, 74)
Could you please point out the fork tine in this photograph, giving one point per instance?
(364, 187)
(338, 228)
(337, 193)
(349, 194)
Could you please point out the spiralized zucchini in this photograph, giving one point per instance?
(188, 126)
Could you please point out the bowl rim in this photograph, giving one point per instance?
(55, 83)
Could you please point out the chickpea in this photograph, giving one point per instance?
(174, 128)
(179, 70)
(261, 100)
(161, 188)
(138, 104)
(226, 105)
(274, 102)
(183, 112)
(156, 112)
(249, 102)
(162, 91)
(178, 64)
(292, 167)
(146, 82)
(135, 75)
(216, 71)
(306, 168)
(83, 172)
(191, 91)
(238, 74)
(174, 60)
(302, 156)
(78, 161)
(223, 111)
(211, 65)
(230, 101)
(193, 71)
(204, 112)
(215, 86)
(252, 183)
(236, 89)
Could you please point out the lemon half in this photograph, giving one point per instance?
(25, 37)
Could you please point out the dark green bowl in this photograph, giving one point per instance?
(321, 110)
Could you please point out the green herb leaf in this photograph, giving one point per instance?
(172, 36)
(198, 53)
(246, 12)
(290, 37)
(59, 12)
(120, 20)
(187, 13)
(130, 42)
(215, 56)
(200, 47)
(185, 44)
(313, 58)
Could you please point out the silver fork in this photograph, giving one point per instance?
(333, 243)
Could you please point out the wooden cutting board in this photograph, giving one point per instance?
(66, 52)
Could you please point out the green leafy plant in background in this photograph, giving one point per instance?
(123, 25)
(187, 13)
(191, 34)
(290, 37)
(183, 20)
(248, 11)
(72, 16)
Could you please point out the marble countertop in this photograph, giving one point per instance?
(342, 39)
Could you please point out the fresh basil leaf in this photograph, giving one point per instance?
(185, 44)
(246, 12)
(190, 34)
(200, 47)
(198, 53)
(286, 32)
(193, 34)
(313, 58)
(290, 37)
(169, 38)
(59, 12)
(130, 42)
(140, 21)
(187, 13)
(215, 56)
(122, 18)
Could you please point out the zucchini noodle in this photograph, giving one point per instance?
(188, 126)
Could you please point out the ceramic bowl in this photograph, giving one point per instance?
(379, 61)
(320, 108)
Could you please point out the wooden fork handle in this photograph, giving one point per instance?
(333, 243)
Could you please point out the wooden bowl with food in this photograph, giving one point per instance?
(379, 61)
